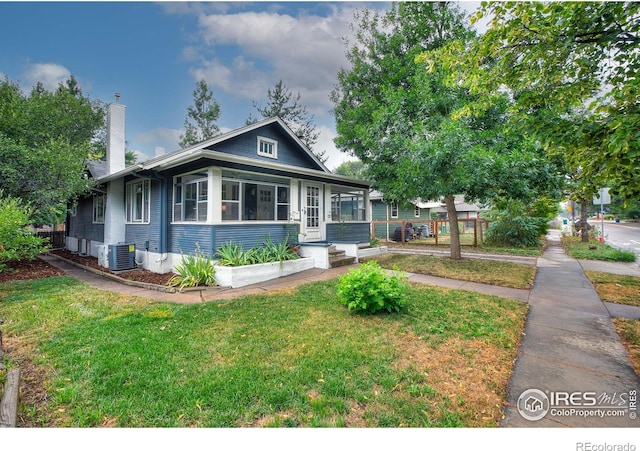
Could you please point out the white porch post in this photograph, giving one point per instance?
(214, 185)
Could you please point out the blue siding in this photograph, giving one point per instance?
(358, 232)
(289, 152)
(250, 235)
(140, 233)
(183, 238)
(81, 225)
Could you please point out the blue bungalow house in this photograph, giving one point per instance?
(245, 185)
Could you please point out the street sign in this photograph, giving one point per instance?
(603, 197)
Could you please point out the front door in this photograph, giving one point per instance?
(312, 223)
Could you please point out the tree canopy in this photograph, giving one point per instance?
(560, 60)
(200, 123)
(45, 138)
(397, 117)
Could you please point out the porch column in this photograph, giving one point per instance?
(214, 201)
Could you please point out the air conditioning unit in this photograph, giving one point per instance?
(122, 256)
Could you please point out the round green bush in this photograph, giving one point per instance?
(369, 289)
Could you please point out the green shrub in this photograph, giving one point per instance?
(233, 254)
(16, 241)
(369, 289)
(511, 225)
(195, 270)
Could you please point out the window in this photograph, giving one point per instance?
(267, 147)
(416, 212)
(394, 210)
(137, 201)
(190, 194)
(347, 206)
(98, 208)
(250, 201)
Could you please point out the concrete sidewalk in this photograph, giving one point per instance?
(570, 346)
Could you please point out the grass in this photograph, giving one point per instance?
(430, 244)
(629, 331)
(290, 359)
(616, 288)
(505, 274)
(594, 250)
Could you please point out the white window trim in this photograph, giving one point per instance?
(240, 201)
(274, 143)
(182, 184)
(416, 212)
(93, 210)
(146, 203)
(392, 206)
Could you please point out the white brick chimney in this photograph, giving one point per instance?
(115, 136)
(114, 215)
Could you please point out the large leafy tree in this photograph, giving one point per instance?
(200, 123)
(396, 117)
(286, 105)
(45, 138)
(555, 57)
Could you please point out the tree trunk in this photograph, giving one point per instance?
(453, 226)
(583, 220)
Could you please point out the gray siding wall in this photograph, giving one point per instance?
(81, 225)
(246, 145)
(349, 232)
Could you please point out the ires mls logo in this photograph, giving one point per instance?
(534, 404)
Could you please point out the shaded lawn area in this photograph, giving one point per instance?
(504, 274)
(294, 358)
(615, 287)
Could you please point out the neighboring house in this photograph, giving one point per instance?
(245, 185)
(416, 212)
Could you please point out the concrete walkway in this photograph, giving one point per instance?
(570, 346)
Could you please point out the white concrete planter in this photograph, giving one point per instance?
(240, 276)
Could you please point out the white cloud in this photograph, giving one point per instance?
(145, 143)
(325, 143)
(49, 74)
(306, 52)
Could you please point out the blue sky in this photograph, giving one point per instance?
(153, 53)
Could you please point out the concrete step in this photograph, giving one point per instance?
(343, 260)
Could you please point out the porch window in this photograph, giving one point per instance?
(98, 208)
(348, 206)
(190, 198)
(267, 147)
(137, 201)
(248, 201)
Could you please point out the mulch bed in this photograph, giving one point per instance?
(138, 275)
(28, 270)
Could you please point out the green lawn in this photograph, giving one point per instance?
(505, 274)
(288, 359)
(593, 250)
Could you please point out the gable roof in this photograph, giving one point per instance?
(203, 150)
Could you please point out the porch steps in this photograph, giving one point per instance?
(338, 258)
